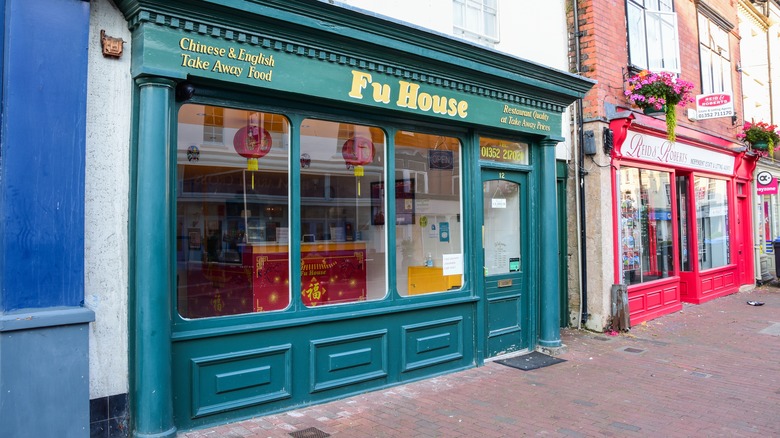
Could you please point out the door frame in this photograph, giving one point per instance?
(528, 317)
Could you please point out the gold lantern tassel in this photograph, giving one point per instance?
(251, 165)
(358, 173)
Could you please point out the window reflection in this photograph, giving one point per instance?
(428, 208)
(342, 248)
(712, 222)
(231, 213)
(646, 225)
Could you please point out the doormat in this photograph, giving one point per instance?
(530, 361)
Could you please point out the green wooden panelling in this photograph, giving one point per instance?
(239, 379)
(346, 360)
(432, 342)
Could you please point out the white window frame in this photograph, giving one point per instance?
(653, 41)
(715, 59)
(479, 12)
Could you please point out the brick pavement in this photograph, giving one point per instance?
(710, 370)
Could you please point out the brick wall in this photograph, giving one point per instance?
(604, 56)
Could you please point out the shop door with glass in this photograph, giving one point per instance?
(504, 231)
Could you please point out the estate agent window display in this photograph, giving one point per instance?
(647, 228)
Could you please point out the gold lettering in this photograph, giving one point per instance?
(191, 45)
(196, 62)
(440, 104)
(360, 81)
(452, 107)
(381, 93)
(463, 106)
(407, 96)
(425, 101)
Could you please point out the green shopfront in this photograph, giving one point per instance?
(326, 203)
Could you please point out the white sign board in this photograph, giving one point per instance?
(660, 150)
(710, 106)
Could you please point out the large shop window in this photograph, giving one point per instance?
(712, 222)
(342, 249)
(652, 35)
(428, 211)
(646, 225)
(232, 216)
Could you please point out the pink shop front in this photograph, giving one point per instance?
(681, 217)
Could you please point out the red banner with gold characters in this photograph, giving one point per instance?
(326, 277)
(330, 273)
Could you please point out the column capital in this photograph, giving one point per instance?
(155, 80)
(551, 141)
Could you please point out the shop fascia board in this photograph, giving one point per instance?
(656, 126)
(340, 29)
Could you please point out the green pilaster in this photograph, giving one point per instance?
(152, 390)
(549, 299)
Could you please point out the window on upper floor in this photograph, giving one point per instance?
(714, 54)
(652, 35)
(476, 20)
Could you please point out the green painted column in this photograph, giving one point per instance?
(152, 394)
(549, 299)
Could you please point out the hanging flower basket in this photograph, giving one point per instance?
(660, 92)
(651, 110)
(760, 146)
(760, 136)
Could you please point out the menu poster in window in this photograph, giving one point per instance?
(404, 202)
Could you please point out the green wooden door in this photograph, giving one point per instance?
(504, 239)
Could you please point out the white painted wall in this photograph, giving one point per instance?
(530, 29)
(109, 93)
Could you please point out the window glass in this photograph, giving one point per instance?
(231, 211)
(502, 151)
(712, 222)
(428, 207)
(342, 244)
(683, 224)
(502, 237)
(646, 225)
(476, 20)
(652, 35)
(715, 58)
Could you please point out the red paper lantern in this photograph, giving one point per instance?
(357, 151)
(252, 142)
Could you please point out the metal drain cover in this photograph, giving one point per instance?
(311, 432)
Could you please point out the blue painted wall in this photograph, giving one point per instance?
(42, 151)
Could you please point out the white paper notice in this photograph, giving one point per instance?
(499, 203)
(452, 264)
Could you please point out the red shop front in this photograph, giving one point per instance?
(681, 217)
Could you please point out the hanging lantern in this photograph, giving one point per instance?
(358, 151)
(252, 142)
